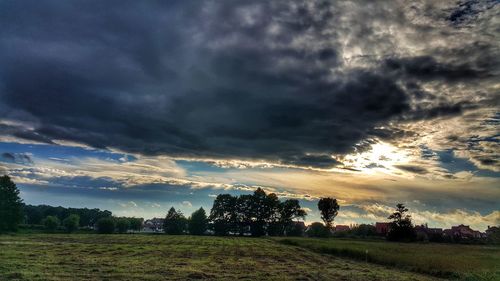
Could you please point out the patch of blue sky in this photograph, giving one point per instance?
(61, 152)
(453, 164)
(198, 166)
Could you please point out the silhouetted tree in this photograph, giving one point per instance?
(175, 222)
(10, 205)
(106, 225)
(290, 210)
(261, 209)
(71, 223)
(329, 209)
(198, 222)
(223, 214)
(51, 223)
(258, 213)
(401, 228)
(122, 225)
(317, 229)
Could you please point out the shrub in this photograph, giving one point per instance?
(51, 223)
(105, 225)
(71, 223)
(317, 229)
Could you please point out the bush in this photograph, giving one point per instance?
(122, 225)
(51, 223)
(105, 225)
(317, 229)
(71, 223)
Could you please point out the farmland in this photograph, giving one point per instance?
(164, 257)
(468, 262)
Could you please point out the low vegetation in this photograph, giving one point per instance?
(174, 257)
(466, 262)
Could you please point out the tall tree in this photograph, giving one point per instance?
(329, 209)
(198, 222)
(223, 215)
(401, 227)
(10, 205)
(290, 210)
(175, 222)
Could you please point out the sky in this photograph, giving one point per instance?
(136, 106)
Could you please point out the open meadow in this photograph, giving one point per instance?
(164, 257)
(456, 261)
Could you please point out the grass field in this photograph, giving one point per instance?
(162, 257)
(466, 262)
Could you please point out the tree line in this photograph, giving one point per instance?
(255, 214)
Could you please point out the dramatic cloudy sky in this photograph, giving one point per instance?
(136, 106)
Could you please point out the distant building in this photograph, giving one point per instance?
(382, 228)
(154, 225)
(426, 233)
(340, 227)
(491, 230)
(463, 232)
(428, 230)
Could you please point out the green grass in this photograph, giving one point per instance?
(163, 257)
(466, 262)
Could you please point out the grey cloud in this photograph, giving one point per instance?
(412, 169)
(17, 158)
(267, 82)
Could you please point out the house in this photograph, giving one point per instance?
(491, 230)
(154, 225)
(429, 234)
(382, 228)
(340, 227)
(463, 232)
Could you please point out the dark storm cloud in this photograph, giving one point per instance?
(427, 68)
(224, 79)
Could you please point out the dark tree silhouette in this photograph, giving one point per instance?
(290, 210)
(258, 214)
(106, 225)
(261, 207)
(71, 223)
(197, 223)
(329, 209)
(10, 205)
(175, 222)
(401, 228)
(223, 215)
